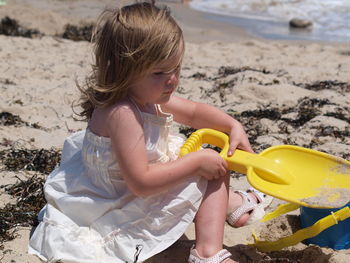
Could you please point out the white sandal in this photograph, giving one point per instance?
(219, 257)
(249, 205)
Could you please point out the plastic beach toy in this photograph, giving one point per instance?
(307, 179)
(323, 227)
(295, 174)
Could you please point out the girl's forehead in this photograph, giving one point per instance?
(173, 61)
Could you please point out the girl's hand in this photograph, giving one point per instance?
(211, 164)
(238, 139)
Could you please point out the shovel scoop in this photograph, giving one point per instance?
(295, 174)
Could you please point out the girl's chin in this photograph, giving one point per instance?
(164, 99)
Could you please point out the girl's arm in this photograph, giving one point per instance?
(201, 115)
(126, 133)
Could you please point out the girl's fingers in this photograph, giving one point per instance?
(232, 148)
(242, 146)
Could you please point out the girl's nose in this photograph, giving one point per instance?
(172, 79)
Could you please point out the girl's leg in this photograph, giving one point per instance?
(210, 218)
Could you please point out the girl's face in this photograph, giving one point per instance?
(160, 84)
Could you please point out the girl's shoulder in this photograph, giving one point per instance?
(120, 108)
(102, 118)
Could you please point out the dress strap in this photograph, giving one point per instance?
(158, 110)
(135, 104)
(137, 107)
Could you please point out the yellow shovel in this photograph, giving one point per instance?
(295, 174)
(301, 176)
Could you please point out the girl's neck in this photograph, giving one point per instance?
(144, 107)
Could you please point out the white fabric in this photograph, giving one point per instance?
(91, 215)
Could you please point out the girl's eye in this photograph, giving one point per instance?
(160, 73)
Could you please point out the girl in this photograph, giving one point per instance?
(120, 190)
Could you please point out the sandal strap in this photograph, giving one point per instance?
(247, 206)
(264, 200)
(219, 257)
(259, 195)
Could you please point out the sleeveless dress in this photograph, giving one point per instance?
(92, 217)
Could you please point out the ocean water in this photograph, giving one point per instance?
(331, 18)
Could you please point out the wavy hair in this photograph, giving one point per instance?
(128, 42)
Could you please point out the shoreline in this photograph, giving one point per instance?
(271, 29)
(198, 26)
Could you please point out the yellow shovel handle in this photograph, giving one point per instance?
(240, 161)
(280, 210)
(305, 233)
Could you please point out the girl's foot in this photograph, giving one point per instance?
(223, 256)
(246, 207)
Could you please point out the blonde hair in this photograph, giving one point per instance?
(128, 43)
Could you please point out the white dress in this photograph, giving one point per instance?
(92, 217)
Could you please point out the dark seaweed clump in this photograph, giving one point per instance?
(28, 193)
(225, 70)
(9, 119)
(40, 160)
(327, 84)
(78, 33)
(186, 130)
(29, 200)
(11, 27)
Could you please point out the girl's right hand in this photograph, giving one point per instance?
(211, 164)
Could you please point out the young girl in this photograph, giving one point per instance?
(120, 193)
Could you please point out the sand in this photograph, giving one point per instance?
(284, 92)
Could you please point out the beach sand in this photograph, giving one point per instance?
(284, 92)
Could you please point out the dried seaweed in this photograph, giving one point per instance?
(327, 84)
(7, 81)
(10, 27)
(30, 199)
(40, 160)
(306, 110)
(272, 114)
(9, 119)
(78, 33)
(186, 130)
(199, 76)
(225, 70)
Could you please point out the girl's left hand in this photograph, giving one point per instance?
(238, 139)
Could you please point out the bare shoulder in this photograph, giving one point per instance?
(104, 120)
(120, 109)
(122, 114)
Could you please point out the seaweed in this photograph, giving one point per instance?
(199, 76)
(9, 119)
(272, 114)
(78, 33)
(11, 27)
(307, 109)
(186, 130)
(226, 70)
(327, 84)
(29, 200)
(40, 160)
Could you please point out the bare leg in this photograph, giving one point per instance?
(210, 219)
